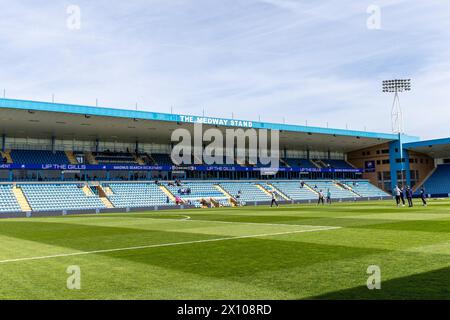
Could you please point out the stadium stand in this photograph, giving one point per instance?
(248, 191)
(197, 190)
(162, 159)
(439, 182)
(52, 197)
(337, 164)
(337, 192)
(88, 175)
(8, 202)
(365, 189)
(71, 196)
(117, 158)
(302, 163)
(137, 195)
(224, 202)
(295, 191)
(38, 157)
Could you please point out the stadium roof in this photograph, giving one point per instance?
(23, 118)
(438, 148)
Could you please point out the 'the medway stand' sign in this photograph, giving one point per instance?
(217, 121)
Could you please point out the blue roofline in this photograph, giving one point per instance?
(145, 115)
(426, 143)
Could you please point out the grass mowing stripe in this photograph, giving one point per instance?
(164, 245)
(189, 219)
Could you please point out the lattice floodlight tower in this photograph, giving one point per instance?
(396, 86)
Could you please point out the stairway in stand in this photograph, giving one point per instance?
(21, 199)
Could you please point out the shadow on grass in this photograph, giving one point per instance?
(223, 259)
(430, 285)
(415, 225)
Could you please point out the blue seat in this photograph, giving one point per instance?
(439, 181)
(8, 202)
(56, 197)
(39, 157)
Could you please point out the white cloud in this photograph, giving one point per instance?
(277, 58)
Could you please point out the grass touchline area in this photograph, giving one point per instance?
(168, 244)
(290, 252)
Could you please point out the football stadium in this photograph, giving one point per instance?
(97, 188)
(224, 159)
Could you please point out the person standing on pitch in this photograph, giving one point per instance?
(423, 196)
(409, 196)
(397, 193)
(328, 196)
(320, 198)
(402, 196)
(274, 200)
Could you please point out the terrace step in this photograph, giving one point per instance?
(285, 163)
(90, 158)
(421, 182)
(344, 186)
(103, 193)
(152, 159)
(310, 189)
(351, 164)
(71, 157)
(108, 204)
(281, 193)
(232, 200)
(215, 203)
(322, 164)
(6, 154)
(87, 191)
(167, 192)
(139, 160)
(21, 199)
(107, 190)
(317, 163)
(263, 189)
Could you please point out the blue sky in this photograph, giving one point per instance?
(282, 60)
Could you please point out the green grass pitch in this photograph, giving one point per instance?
(291, 252)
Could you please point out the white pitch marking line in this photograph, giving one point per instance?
(188, 218)
(184, 218)
(164, 245)
(257, 223)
